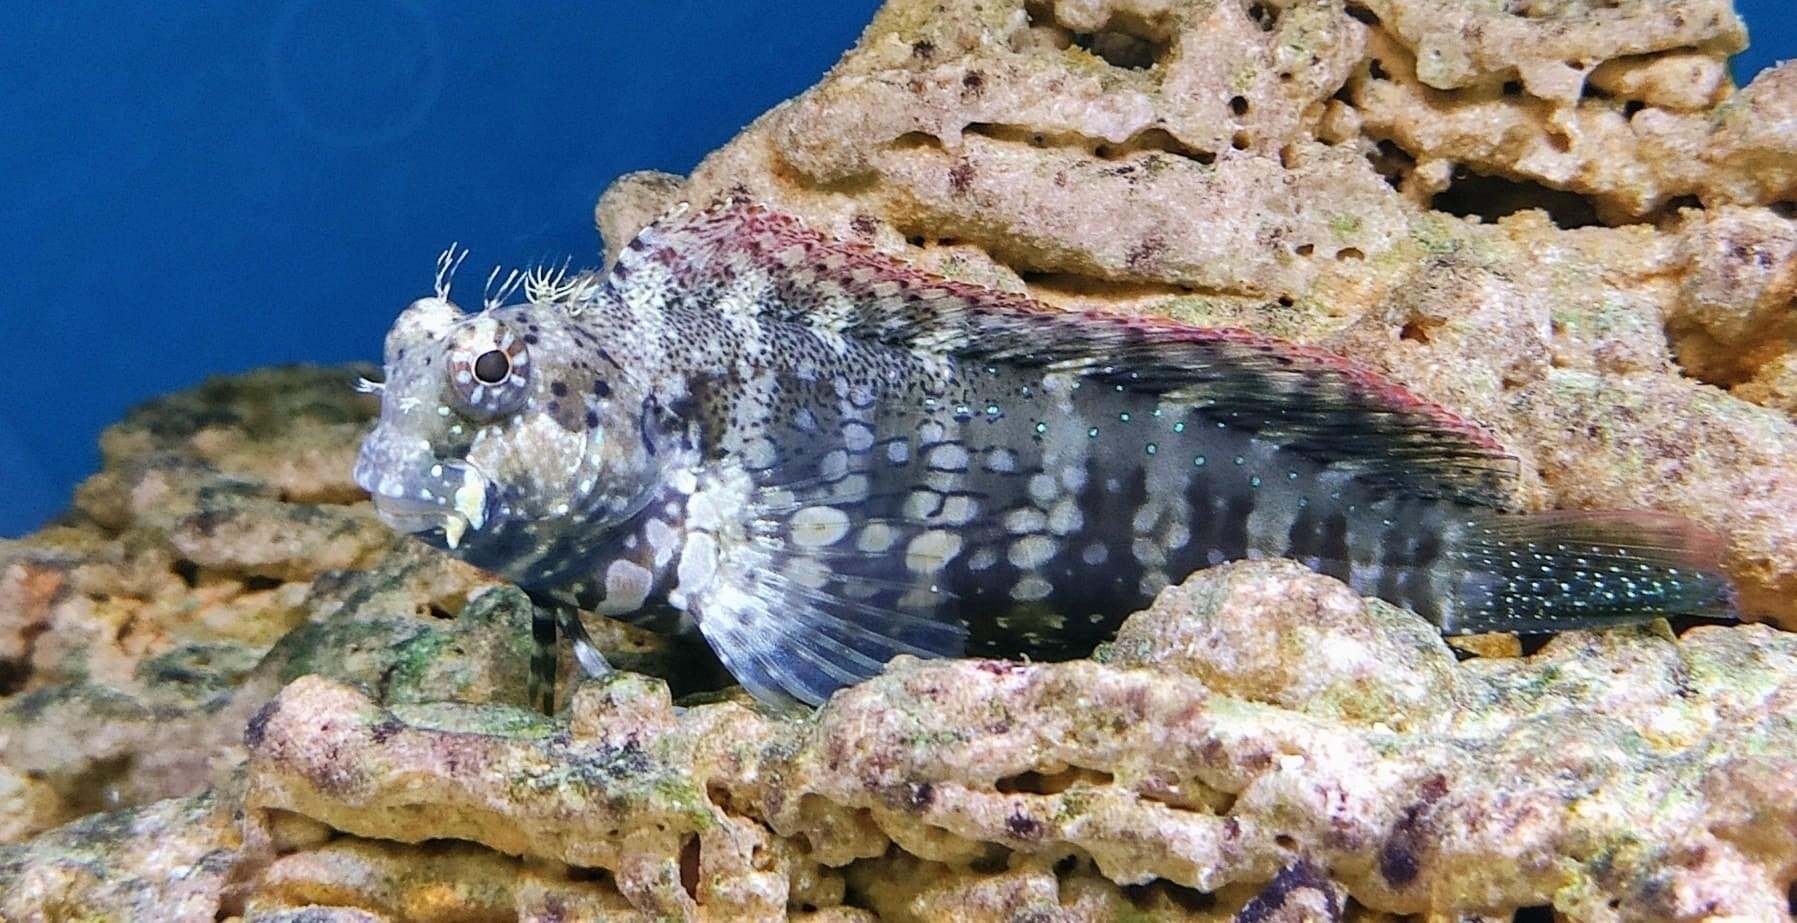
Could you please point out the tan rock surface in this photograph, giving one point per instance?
(1235, 730)
(1260, 745)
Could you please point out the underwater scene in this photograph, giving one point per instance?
(975, 460)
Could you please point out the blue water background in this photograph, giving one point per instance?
(190, 188)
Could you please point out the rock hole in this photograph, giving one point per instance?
(1542, 914)
(590, 873)
(1785, 208)
(1051, 783)
(1392, 162)
(1264, 16)
(13, 674)
(1161, 893)
(1513, 88)
(438, 612)
(1305, 249)
(1376, 70)
(1631, 107)
(1123, 50)
(1285, 841)
(1532, 644)
(99, 787)
(1103, 152)
(1415, 331)
(1125, 41)
(1043, 27)
(1241, 140)
(994, 860)
(1159, 139)
(1364, 15)
(1239, 105)
(912, 140)
(189, 572)
(1493, 197)
(256, 583)
(915, 240)
(1675, 204)
(689, 866)
(1286, 301)
(1349, 253)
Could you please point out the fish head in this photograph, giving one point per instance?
(503, 439)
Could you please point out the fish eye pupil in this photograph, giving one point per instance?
(492, 367)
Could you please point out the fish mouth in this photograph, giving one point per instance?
(449, 495)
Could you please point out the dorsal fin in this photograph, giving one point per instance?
(1310, 400)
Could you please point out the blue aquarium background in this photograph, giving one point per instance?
(192, 188)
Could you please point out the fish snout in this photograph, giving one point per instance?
(415, 492)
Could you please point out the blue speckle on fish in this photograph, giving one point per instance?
(821, 457)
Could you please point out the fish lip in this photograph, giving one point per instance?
(466, 488)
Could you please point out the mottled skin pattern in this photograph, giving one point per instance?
(823, 458)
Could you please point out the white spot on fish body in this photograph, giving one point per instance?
(922, 504)
(857, 437)
(818, 526)
(1025, 520)
(931, 551)
(759, 453)
(698, 565)
(1031, 551)
(627, 585)
(875, 538)
(959, 510)
(662, 540)
(951, 456)
(1031, 587)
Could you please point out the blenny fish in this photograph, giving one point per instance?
(821, 457)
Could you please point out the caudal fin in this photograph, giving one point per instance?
(1565, 570)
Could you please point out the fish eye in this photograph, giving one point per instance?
(492, 367)
(487, 368)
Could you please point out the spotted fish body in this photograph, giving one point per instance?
(822, 458)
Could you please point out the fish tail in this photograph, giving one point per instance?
(1566, 570)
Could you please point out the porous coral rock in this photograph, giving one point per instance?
(176, 860)
(1545, 217)
(1617, 776)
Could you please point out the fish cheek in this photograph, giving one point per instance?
(537, 463)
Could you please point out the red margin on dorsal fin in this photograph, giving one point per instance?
(1308, 399)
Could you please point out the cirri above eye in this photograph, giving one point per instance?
(488, 367)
